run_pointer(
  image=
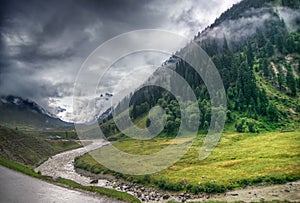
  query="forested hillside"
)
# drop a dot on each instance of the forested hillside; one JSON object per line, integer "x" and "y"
{"x": 255, "y": 47}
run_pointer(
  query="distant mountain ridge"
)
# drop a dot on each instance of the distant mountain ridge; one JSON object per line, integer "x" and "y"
{"x": 23, "y": 103}
{"x": 258, "y": 60}
{"x": 20, "y": 113}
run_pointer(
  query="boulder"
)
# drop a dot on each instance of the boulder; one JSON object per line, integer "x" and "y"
{"x": 166, "y": 196}
{"x": 95, "y": 181}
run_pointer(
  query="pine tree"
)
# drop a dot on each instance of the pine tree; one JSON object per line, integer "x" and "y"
{"x": 261, "y": 41}
{"x": 269, "y": 49}
{"x": 249, "y": 55}
{"x": 279, "y": 42}
{"x": 273, "y": 113}
{"x": 280, "y": 81}
{"x": 291, "y": 83}
{"x": 290, "y": 45}
{"x": 265, "y": 68}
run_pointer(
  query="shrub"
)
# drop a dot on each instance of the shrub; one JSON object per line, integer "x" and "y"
{"x": 213, "y": 188}
{"x": 143, "y": 179}
{"x": 177, "y": 186}
{"x": 257, "y": 180}
{"x": 96, "y": 170}
{"x": 166, "y": 185}
{"x": 146, "y": 179}
{"x": 251, "y": 127}
{"x": 84, "y": 166}
{"x": 195, "y": 189}
{"x": 277, "y": 179}
{"x": 240, "y": 126}
{"x": 161, "y": 183}
{"x": 243, "y": 182}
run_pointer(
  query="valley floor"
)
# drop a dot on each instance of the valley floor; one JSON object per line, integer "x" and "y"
{"x": 236, "y": 157}
{"x": 238, "y": 160}
{"x": 62, "y": 165}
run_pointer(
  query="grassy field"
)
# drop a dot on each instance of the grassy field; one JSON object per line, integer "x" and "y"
{"x": 238, "y": 160}
{"x": 30, "y": 149}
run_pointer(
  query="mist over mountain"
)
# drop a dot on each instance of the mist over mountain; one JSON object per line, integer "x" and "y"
{"x": 264, "y": 31}
{"x": 237, "y": 30}
{"x": 43, "y": 43}
{"x": 156, "y": 117}
{"x": 255, "y": 46}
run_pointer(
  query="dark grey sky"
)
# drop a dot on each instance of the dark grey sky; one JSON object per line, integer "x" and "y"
{"x": 44, "y": 43}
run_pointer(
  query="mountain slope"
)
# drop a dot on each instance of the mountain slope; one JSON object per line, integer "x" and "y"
{"x": 30, "y": 149}
{"x": 27, "y": 115}
{"x": 255, "y": 46}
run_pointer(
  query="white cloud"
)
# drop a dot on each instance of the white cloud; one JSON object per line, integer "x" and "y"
{"x": 289, "y": 16}
{"x": 190, "y": 16}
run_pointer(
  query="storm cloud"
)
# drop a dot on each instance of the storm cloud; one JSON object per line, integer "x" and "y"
{"x": 44, "y": 43}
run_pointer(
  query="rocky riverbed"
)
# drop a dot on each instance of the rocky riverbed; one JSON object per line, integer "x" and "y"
{"x": 62, "y": 165}
{"x": 289, "y": 191}
{"x": 145, "y": 194}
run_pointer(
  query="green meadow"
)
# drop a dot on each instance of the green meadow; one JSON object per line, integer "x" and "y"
{"x": 237, "y": 161}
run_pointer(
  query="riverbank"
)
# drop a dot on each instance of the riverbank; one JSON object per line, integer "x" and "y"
{"x": 31, "y": 148}
{"x": 288, "y": 192}
{"x": 18, "y": 187}
{"x": 62, "y": 166}
{"x": 69, "y": 183}
{"x": 239, "y": 161}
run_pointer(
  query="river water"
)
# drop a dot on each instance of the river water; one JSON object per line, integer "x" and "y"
{"x": 17, "y": 187}
{"x": 61, "y": 165}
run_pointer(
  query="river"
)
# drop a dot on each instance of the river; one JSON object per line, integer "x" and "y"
{"x": 17, "y": 187}
{"x": 62, "y": 165}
